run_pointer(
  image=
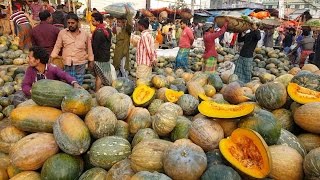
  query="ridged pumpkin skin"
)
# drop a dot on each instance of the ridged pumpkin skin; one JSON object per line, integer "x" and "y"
{"x": 137, "y": 119}
{"x": 307, "y": 80}
{"x": 215, "y": 81}
{"x": 228, "y": 125}
{"x": 11, "y": 134}
{"x": 62, "y": 166}
{"x": 287, "y": 163}
{"x": 311, "y": 164}
{"x": 214, "y": 157}
{"x": 53, "y": 96}
{"x": 218, "y": 172}
{"x": 160, "y": 94}
{"x": 181, "y": 130}
{"x": 101, "y": 122}
{"x": 171, "y": 108}
{"x": 189, "y": 104}
{"x": 206, "y": 133}
{"x": 27, "y": 175}
{"x": 271, "y": 95}
{"x": 143, "y": 134}
{"x": 265, "y": 124}
{"x": 145, "y": 175}
{"x": 120, "y": 104}
{"x": 94, "y": 174}
{"x": 164, "y": 122}
{"x": 190, "y": 157}
{"x": 4, "y": 161}
{"x": 26, "y": 119}
{"x": 194, "y": 89}
{"x": 71, "y": 134}
{"x": 103, "y": 93}
{"x": 285, "y": 117}
{"x": 289, "y": 139}
{"x": 32, "y": 151}
{"x": 307, "y": 117}
{"x": 121, "y": 170}
{"x": 118, "y": 149}
{"x": 78, "y": 102}
{"x": 159, "y": 81}
{"x": 148, "y": 154}
{"x": 122, "y": 129}
{"x": 310, "y": 141}
{"x": 153, "y": 107}
{"x": 123, "y": 85}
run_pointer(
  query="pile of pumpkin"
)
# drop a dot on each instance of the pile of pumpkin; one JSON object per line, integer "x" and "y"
{"x": 9, "y": 52}
{"x": 152, "y": 129}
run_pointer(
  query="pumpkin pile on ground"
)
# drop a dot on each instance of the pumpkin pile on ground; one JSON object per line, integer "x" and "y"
{"x": 9, "y": 52}
{"x": 177, "y": 125}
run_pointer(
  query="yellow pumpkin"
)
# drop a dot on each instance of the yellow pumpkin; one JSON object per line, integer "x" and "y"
{"x": 172, "y": 95}
{"x": 143, "y": 95}
{"x": 209, "y": 90}
{"x": 302, "y": 95}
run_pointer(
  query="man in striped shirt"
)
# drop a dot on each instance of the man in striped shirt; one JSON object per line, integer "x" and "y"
{"x": 19, "y": 20}
{"x": 146, "y": 55}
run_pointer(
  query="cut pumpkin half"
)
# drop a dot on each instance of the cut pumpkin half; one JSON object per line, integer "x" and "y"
{"x": 302, "y": 95}
{"x": 204, "y": 97}
{"x": 246, "y": 150}
{"x": 143, "y": 95}
{"x": 215, "y": 110}
{"x": 172, "y": 95}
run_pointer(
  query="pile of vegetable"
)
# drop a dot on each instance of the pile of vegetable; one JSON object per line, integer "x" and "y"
{"x": 9, "y": 52}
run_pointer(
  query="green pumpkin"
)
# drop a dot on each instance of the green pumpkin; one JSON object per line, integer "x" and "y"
{"x": 289, "y": 139}
{"x": 123, "y": 85}
{"x": 143, "y": 134}
{"x": 153, "y": 107}
{"x": 264, "y": 123}
{"x": 215, "y": 81}
{"x": 311, "y": 164}
{"x": 62, "y": 166}
{"x": 214, "y": 157}
{"x": 50, "y": 92}
{"x": 307, "y": 80}
{"x": 271, "y": 95}
{"x": 94, "y": 173}
{"x": 181, "y": 130}
{"x": 78, "y": 102}
{"x": 189, "y": 104}
{"x": 285, "y": 118}
{"x": 220, "y": 172}
{"x": 122, "y": 129}
{"x": 146, "y": 175}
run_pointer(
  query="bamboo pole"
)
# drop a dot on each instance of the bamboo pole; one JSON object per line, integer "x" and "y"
{"x": 69, "y": 5}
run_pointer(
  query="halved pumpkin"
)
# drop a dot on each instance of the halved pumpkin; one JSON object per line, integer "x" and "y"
{"x": 204, "y": 97}
{"x": 215, "y": 110}
{"x": 143, "y": 95}
{"x": 246, "y": 150}
{"x": 302, "y": 95}
{"x": 172, "y": 95}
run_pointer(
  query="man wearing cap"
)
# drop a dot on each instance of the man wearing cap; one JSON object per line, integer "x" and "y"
{"x": 210, "y": 54}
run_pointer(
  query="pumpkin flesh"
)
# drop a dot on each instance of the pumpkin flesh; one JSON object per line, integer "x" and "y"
{"x": 172, "y": 95}
{"x": 247, "y": 151}
{"x": 302, "y": 95}
{"x": 142, "y": 95}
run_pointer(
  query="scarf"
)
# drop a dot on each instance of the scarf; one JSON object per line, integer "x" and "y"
{"x": 103, "y": 28}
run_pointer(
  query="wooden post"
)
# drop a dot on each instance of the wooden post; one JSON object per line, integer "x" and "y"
{"x": 74, "y": 7}
{"x": 69, "y": 5}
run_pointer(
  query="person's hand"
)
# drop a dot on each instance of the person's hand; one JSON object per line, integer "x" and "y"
{"x": 91, "y": 65}
{"x": 77, "y": 86}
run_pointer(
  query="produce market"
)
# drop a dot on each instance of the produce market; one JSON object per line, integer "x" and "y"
{"x": 176, "y": 111}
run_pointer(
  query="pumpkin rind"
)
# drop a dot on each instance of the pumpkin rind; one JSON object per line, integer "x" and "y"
{"x": 289, "y": 139}
{"x": 143, "y": 95}
{"x": 189, "y": 104}
{"x": 103, "y": 157}
{"x": 218, "y": 172}
{"x": 103, "y": 93}
{"x": 310, "y": 141}
{"x": 159, "y": 81}
{"x": 285, "y": 118}
{"x": 302, "y": 95}
{"x": 164, "y": 122}
{"x": 145, "y": 175}
{"x": 307, "y": 117}
{"x": 71, "y": 134}
{"x": 79, "y": 102}
{"x": 311, "y": 164}
{"x": 214, "y": 157}
{"x": 143, "y": 134}
{"x": 27, "y": 175}
{"x": 254, "y": 157}
{"x": 120, "y": 104}
{"x": 153, "y": 107}
{"x": 122, "y": 129}
{"x": 307, "y": 80}
{"x": 138, "y": 118}
{"x": 194, "y": 89}
{"x": 123, "y": 85}
{"x": 121, "y": 170}
{"x": 11, "y": 134}
{"x": 271, "y": 95}
{"x": 215, "y": 81}
{"x": 181, "y": 130}
{"x": 94, "y": 173}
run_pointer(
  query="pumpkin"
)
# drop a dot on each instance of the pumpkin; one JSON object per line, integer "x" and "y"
{"x": 302, "y": 95}
{"x": 215, "y": 110}
{"x": 215, "y": 81}
{"x": 159, "y": 81}
{"x": 94, "y": 173}
{"x": 161, "y": 93}
{"x": 11, "y": 134}
{"x": 53, "y": 96}
{"x": 310, "y": 67}
{"x": 71, "y": 134}
{"x": 286, "y": 163}
{"x": 192, "y": 160}
{"x": 120, "y": 104}
{"x": 30, "y": 152}
{"x": 172, "y": 95}
{"x": 214, "y": 158}
{"x": 79, "y": 102}
{"x": 153, "y": 107}
{"x": 138, "y": 118}
{"x": 28, "y": 102}
{"x": 285, "y": 118}
{"x": 189, "y": 104}
{"x": 205, "y": 133}
{"x": 264, "y": 123}
{"x": 170, "y": 79}
{"x": 294, "y": 106}
{"x": 12, "y": 171}
{"x": 25, "y": 119}
{"x": 181, "y": 130}
{"x": 187, "y": 76}
{"x": 145, "y": 175}
{"x": 4, "y": 161}
{"x": 294, "y": 71}
{"x": 284, "y": 79}
{"x": 307, "y": 80}
{"x": 123, "y": 85}
{"x": 103, "y": 157}
{"x": 103, "y": 93}
{"x": 209, "y": 90}
{"x": 235, "y": 94}
{"x": 194, "y": 89}
{"x": 164, "y": 122}
{"x": 309, "y": 141}
{"x": 253, "y": 85}
{"x": 26, "y": 175}
{"x": 101, "y": 122}
{"x": 62, "y": 166}
{"x": 143, "y": 95}
{"x": 266, "y": 77}
{"x": 143, "y": 81}
{"x": 143, "y": 134}
{"x": 288, "y": 139}
{"x": 271, "y": 95}
{"x": 122, "y": 129}
{"x": 228, "y": 125}
{"x": 121, "y": 170}
{"x": 200, "y": 77}
{"x": 311, "y": 164}
{"x": 3, "y": 174}
{"x": 246, "y": 150}
{"x": 171, "y": 108}
{"x": 307, "y": 117}
{"x": 148, "y": 154}
{"x": 218, "y": 172}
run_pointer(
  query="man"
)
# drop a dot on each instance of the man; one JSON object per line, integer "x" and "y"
{"x": 121, "y": 53}
{"x": 59, "y": 18}
{"x": 101, "y": 43}
{"x": 185, "y": 42}
{"x": 45, "y": 34}
{"x": 35, "y": 8}
{"x": 76, "y": 48}
{"x": 288, "y": 40}
{"x": 47, "y": 6}
{"x": 244, "y": 63}
{"x": 146, "y": 54}
{"x": 40, "y": 69}
{"x": 268, "y": 38}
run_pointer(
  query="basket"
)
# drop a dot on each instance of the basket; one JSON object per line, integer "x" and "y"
{"x": 236, "y": 25}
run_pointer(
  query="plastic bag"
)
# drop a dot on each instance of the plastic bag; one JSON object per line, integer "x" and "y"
{"x": 118, "y": 10}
